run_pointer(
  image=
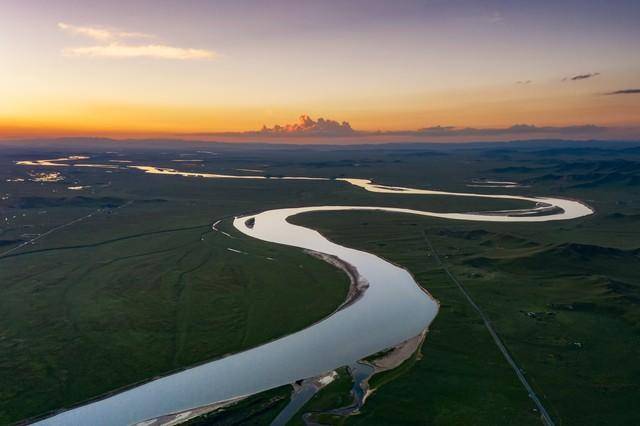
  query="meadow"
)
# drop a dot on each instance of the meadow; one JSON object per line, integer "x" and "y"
{"x": 143, "y": 285}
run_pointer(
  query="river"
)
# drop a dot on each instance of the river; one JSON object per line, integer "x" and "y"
{"x": 393, "y": 308}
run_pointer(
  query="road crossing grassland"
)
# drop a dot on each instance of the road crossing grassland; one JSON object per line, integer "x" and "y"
{"x": 565, "y": 310}
{"x": 546, "y": 418}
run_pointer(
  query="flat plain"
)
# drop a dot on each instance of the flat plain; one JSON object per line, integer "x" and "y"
{"x": 134, "y": 283}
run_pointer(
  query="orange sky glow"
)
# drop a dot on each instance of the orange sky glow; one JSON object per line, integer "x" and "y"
{"x": 223, "y": 71}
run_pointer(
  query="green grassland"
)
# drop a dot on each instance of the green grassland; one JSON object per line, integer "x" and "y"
{"x": 564, "y": 297}
{"x": 141, "y": 290}
{"x": 143, "y": 286}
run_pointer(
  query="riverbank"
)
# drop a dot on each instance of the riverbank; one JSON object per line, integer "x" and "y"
{"x": 357, "y": 283}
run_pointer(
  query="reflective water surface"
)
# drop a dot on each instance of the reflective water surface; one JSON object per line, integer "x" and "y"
{"x": 394, "y": 308}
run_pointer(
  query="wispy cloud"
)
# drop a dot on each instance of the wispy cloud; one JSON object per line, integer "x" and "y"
{"x": 625, "y": 92}
{"x": 524, "y": 82}
{"x": 100, "y": 33}
{"x": 159, "y": 51}
{"x": 581, "y": 76}
{"x": 116, "y": 44}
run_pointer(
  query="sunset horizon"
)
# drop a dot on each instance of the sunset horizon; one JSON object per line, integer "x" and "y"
{"x": 92, "y": 69}
{"x": 307, "y": 131}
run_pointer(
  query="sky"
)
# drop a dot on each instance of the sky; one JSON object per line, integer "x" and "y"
{"x": 332, "y": 70}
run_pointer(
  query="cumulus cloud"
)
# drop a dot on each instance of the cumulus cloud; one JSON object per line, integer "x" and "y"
{"x": 115, "y": 44}
{"x": 306, "y": 126}
{"x": 625, "y": 92}
{"x": 581, "y": 76}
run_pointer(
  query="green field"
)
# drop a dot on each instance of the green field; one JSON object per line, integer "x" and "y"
{"x": 564, "y": 297}
{"x": 561, "y": 308}
{"x": 143, "y": 286}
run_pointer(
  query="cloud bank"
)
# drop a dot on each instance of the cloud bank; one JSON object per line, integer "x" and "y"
{"x": 518, "y": 129}
{"x": 307, "y": 128}
{"x": 115, "y": 44}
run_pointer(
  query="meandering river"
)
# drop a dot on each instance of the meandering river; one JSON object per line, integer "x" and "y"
{"x": 393, "y": 308}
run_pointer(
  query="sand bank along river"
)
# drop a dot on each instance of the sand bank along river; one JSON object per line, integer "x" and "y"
{"x": 392, "y": 309}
